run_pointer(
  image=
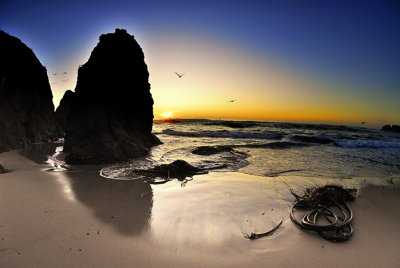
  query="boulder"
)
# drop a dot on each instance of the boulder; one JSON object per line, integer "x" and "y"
{"x": 111, "y": 115}
{"x": 210, "y": 150}
{"x": 26, "y": 106}
{"x": 3, "y": 170}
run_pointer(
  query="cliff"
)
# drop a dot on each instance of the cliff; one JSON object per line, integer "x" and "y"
{"x": 26, "y": 107}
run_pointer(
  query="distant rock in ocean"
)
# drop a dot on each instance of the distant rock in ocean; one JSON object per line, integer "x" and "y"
{"x": 393, "y": 128}
{"x": 26, "y": 107}
{"x": 63, "y": 109}
{"x": 111, "y": 115}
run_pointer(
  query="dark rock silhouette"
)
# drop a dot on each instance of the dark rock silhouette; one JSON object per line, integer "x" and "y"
{"x": 393, "y": 128}
{"x": 111, "y": 116}
{"x": 311, "y": 139}
{"x": 3, "y": 170}
{"x": 178, "y": 169}
{"x": 26, "y": 107}
{"x": 63, "y": 109}
{"x": 210, "y": 150}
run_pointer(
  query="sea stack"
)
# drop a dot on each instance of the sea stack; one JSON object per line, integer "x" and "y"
{"x": 111, "y": 114}
{"x": 63, "y": 109}
{"x": 26, "y": 106}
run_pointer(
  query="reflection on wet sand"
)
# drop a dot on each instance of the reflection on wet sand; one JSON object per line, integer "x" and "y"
{"x": 125, "y": 205}
{"x": 40, "y": 152}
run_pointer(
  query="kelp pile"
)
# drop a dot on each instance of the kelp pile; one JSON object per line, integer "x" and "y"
{"x": 325, "y": 211}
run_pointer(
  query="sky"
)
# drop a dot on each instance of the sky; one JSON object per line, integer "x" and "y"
{"x": 308, "y": 61}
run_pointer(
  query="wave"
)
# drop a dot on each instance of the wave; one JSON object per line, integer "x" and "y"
{"x": 281, "y": 125}
{"x": 274, "y": 145}
{"x": 367, "y": 144}
{"x": 311, "y": 139}
{"x": 225, "y": 134}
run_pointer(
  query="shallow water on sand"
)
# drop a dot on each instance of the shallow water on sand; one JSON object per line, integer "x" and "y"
{"x": 273, "y": 149}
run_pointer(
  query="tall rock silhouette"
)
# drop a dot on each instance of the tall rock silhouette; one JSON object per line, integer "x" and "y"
{"x": 26, "y": 106}
{"x": 111, "y": 115}
{"x": 62, "y": 111}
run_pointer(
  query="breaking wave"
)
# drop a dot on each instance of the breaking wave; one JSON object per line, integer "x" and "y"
{"x": 367, "y": 144}
{"x": 225, "y": 134}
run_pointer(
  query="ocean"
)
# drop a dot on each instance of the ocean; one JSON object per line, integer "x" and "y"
{"x": 272, "y": 149}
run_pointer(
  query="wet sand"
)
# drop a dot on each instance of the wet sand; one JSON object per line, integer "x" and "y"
{"x": 76, "y": 218}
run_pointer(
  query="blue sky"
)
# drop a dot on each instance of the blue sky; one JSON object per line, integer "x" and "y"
{"x": 353, "y": 47}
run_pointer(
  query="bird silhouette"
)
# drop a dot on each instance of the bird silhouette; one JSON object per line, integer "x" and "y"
{"x": 362, "y": 123}
{"x": 179, "y": 75}
{"x": 232, "y": 101}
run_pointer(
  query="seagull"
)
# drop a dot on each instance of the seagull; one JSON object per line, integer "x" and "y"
{"x": 232, "y": 101}
{"x": 180, "y": 75}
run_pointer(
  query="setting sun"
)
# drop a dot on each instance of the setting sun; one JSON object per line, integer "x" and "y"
{"x": 167, "y": 115}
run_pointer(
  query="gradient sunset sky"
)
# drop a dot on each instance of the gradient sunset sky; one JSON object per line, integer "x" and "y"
{"x": 311, "y": 61}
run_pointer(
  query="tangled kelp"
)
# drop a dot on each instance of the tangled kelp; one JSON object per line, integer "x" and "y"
{"x": 328, "y": 214}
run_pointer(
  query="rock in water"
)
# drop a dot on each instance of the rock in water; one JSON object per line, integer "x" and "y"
{"x": 393, "y": 128}
{"x": 63, "y": 109}
{"x": 111, "y": 115}
{"x": 26, "y": 106}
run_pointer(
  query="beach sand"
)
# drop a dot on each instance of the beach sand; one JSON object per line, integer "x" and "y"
{"x": 76, "y": 218}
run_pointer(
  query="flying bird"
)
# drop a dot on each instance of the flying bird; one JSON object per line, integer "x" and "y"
{"x": 232, "y": 101}
{"x": 180, "y": 75}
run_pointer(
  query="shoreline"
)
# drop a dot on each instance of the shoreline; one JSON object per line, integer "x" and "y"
{"x": 78, "y": 218}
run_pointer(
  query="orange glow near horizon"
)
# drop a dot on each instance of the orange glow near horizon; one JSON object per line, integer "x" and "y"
{"x": 264, "y": 88}
{"x": 167, "y": 115}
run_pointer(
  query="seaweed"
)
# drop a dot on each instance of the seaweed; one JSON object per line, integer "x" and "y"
{"x": 328, "y": 214}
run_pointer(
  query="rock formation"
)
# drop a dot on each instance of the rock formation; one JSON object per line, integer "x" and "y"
{"x": 393, "y": 128}
{"x": 111, "y": 115}
{"x": 63, "y": 109}
{"x": 3, "y": 170}
{"x": 26, "y": 107}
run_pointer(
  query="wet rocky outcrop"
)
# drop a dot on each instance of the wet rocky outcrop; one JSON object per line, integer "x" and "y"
{"x": 111, "y": 115}
{"x": 26, "y": 107}
{"x": 210, "y": 150}
{"x": 3, "y": 169}
{"x": 179, "y": 169}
